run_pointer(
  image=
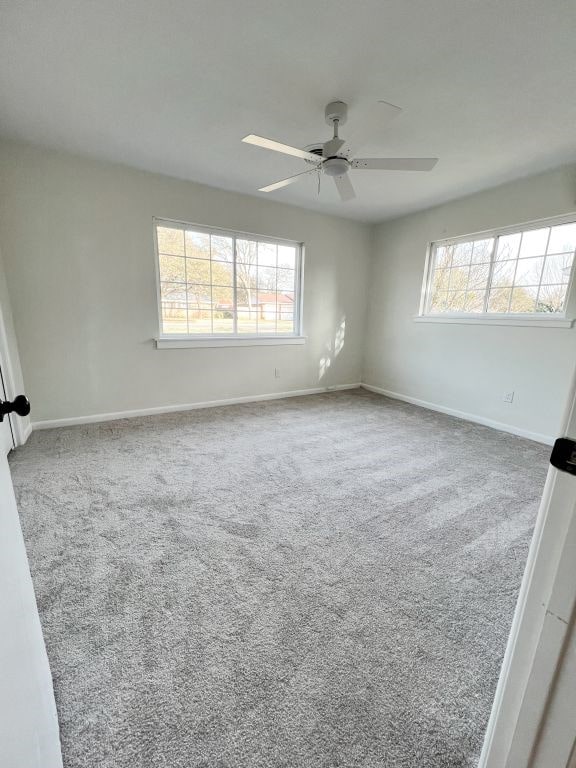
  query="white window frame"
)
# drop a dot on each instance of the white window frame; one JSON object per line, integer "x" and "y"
{"x": 540, "y": 319}
{"x": 181, "y": 341}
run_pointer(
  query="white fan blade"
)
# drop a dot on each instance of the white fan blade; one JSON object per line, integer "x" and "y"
{"x": 395, "y": 163}
{"x": 387, "y": 111}
{"x": 344, "y": 187}
{"x": 276, "y": 146}
{"x": 285, "y": 182}
{"x": 370, "y": 121}
{"x": 332, "y": 147}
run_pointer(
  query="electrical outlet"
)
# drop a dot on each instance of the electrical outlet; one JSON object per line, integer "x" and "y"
{"x": 276, "y": 373}
{"x": 508, "y": 397}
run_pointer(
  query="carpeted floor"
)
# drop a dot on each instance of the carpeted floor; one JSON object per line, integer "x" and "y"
{"x": 318, "y": 582}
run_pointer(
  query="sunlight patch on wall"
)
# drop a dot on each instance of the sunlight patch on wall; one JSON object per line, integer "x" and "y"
{"x": 333, "y": 349}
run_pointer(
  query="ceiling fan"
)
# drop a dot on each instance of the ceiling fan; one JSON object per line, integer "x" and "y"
{"x": 329, "y": 158}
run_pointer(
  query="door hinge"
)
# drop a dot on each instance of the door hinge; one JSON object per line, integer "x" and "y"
{"x": 564, "y": 455}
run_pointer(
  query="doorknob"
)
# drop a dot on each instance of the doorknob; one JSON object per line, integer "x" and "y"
{"x": 20, "y": 405}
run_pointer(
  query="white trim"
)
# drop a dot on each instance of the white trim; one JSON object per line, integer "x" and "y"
{"x": 532, "y": 321}
{"x": 550, "y": 221}
{"x": 170, "y": 342}
{"x": 425, "y": 290}
{"x": 20, "y": 425}
{"x": 97, "y": 417}
{"x": 496, "y": 234}
{"x": 537, "y": 436}
{"x": 297, "y": 322}
{"x": 299, "y": 292}
{"x": 207, "y": 229}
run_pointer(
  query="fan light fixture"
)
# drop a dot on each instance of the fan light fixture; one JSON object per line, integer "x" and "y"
{"x": 335, "y": 166}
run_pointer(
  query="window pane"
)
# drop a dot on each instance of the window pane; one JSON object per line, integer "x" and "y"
{"x": 174, "y": 318}
{"x": 246, "y": 251}
{"x": 199, "y": 321}
{"x": 438, "y": 302}
{"x": 266, "y": 297}
{"x": 246, "y": 298}
{"x": 285, "y": 279}
{"x": 503, "y": 273}
{"x": 440, "y": 280}
{"x": 223, "y": 322}
{"x": 478, "y": 277}
{"x": 534, "y": 242}
{"x": 198, "y": 271}
{"x": 284, "y": 324}
{"x": 267, "y": 324}
{"x": 557, "y": 268}
{"x": 287, "y": 256}
{"x": 455, "y": 301}
{"x": 173, "y": 292}
{"x": 266, "y": 279}
{"x": 247, "y": 320}
{"x": 499, "y": 300}
{"x": 551, "y": 298}
{"x": 197, "y": 245}
{"x": 222, "y": 297}
{"x": 199, "y": 297}
{"x": 266, "y": 255}
{"x": 286, "y": 300}
{"x": 221, "y": 248}
{"x": 474, "y": 301}
{"x": 222, "y": 273}
{"x": 170, "y": 241}
{"x": 172, "y": 268}
{"x": 508, "y": 247}
{"x": 443, "y": 257}
{"x": 459, "y": 278}
{"x": 462, "y": 254}
{"x": 523, "y": 300}
{"x": 482, "y": 251}
{"x": 529, "y": 271}
{"x": 247, "y": 276}
{"x": 563, "y": 239}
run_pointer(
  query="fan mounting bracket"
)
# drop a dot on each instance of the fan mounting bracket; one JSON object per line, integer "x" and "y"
{"x": 336, "y": 111}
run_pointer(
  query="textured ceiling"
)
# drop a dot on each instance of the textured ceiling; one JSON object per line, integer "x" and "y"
{"x": 487, "y": 86}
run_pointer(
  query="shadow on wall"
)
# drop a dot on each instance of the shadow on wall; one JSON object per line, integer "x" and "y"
{"x": 333, "y": 349}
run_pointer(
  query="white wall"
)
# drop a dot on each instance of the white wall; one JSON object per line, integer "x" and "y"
{"x": 77, "y": 242}
{"x": 468, "y": 368}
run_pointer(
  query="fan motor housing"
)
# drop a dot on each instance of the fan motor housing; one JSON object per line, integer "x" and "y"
{"x": 336, "y": 110}
{"x": 335, "y": 166}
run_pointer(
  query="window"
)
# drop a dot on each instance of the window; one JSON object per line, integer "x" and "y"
{"x": 506, "y": 273}
{"x": 215, "y": 283}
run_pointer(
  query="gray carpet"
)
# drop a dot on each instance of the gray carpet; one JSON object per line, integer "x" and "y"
{"x": 318, "y": 582}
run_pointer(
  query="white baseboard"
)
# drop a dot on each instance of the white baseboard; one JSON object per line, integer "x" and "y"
{"x": 96, "y": 417}
{"x": 26, "y": 432}
{"x": 537, "y": 436}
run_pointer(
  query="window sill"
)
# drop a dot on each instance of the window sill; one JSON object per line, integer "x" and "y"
{"x": 171, "y": 342}
{"x": 528, "y": 322}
